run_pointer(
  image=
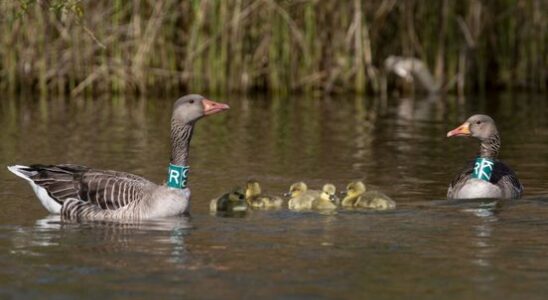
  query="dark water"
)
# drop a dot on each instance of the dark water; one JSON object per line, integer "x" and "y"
{"x": 427, "y": 248}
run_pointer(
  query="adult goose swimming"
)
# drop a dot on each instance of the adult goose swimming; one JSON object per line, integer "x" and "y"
{"x": 78, "y": 192}
{"x": 486, "y": 176}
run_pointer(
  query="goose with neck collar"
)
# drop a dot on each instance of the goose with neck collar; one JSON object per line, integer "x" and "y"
{"x": 82, "y": 193}
{"x": 486, "y": 176}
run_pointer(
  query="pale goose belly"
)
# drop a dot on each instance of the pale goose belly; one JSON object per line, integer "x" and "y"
{"x": 167, "y": 202}
{"x": 476, "y": 188}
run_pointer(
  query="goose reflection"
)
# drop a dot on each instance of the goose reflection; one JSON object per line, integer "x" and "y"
{"x": 484, "y": 249}
{"x": 109, "y": 244}
{"x": 426, "y": 108}
{"x": 477, "y": 232}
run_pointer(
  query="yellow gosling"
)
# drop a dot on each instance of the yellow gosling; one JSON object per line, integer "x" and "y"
{"x": 358, "y": 196}
{"x": 256, "y": 199}
{"x": 301, "y": 197}
{"x": 327, "y": 200}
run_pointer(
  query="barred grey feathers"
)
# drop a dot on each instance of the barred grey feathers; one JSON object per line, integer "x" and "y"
{"x": 181, "y": 134}
{"x": 490, "y": 147}
{"x": 106, "y": 189}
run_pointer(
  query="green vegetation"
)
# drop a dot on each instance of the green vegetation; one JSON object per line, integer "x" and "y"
{"x": 78, "y": 47}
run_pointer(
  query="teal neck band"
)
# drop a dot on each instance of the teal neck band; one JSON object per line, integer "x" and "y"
{"x": 483, "y": 168}
{"x": 177, "y": 176}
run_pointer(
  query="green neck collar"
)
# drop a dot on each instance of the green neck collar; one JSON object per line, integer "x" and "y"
{"x": 177, "y": 176}
{"x": 483, "y": 168}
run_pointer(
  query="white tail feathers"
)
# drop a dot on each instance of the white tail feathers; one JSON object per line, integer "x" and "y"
{"x": 49, "y": 203}
{"x": 18, "y": 170}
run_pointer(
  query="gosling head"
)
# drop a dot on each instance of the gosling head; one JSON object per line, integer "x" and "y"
{"x": 236, "y": 200}
{"x": 355, "y": 188}
{"x": 328, "y": 192}
{"x": 297, "y": 189}
{"x": 236, "y": 195}
{"x": 253, "y": 188}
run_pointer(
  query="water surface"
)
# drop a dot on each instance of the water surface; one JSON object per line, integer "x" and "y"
{"x": 427, "y": 248}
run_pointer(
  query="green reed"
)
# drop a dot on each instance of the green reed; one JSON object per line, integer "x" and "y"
{"x": 268, "y": 45}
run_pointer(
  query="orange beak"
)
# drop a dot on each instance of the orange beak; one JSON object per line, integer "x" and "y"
{"x": 462, "y": 130}
{"x": 212, "y": 107}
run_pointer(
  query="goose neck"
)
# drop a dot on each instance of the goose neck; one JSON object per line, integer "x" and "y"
{"x": 490, "y": 147}
{"x": 181, "y": 134}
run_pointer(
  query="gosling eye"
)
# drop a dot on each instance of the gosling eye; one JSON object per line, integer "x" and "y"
{"x": 191, "y": 101}
{"x": 478, "y": 122}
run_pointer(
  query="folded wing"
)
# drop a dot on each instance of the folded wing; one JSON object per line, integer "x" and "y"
{"x": 108, "y": 190}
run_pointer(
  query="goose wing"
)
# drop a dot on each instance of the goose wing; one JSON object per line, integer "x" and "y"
{"x": 106, "y": 189}
{"x": 507, "y": 180}
{"x": 458, "y": 181}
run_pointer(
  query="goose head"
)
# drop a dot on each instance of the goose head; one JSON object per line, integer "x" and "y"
{"x": 481, "y": 127}
{"x": 297, "y": 189}
{"x": 253, "y": 188}
{"x": 192, "y": 107}
{"x": 328, "y": 192}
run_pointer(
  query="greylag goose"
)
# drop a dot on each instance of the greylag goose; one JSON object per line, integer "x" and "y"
{"x": 233, "y": 201}
{"x": 486, "y": 176}
{"x": 328, "y": 198}
{"x": 78, "y": 192}
{"x": 358, "y": 196}
{"x": 255, "y": 199}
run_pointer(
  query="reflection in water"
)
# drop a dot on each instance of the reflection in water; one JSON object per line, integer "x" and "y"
{"x": 484, "y": 248}
{"x": 364, "y": 120}
{"x": 433, "y": 248}
{"x": 431, "y": 107}
{"x": 109, "y": 238}
{"x": 487, "y": 214}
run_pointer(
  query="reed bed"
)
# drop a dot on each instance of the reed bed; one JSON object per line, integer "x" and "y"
{"x": 223, "y": 46}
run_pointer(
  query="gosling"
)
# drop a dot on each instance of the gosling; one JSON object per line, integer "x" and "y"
{"x": 255, "y": 199}
{"x": 301, "y": 196}
{"x": 328, "y": 199}
{"x": 304, "y": 199}
{"x": 358, "y": 196}
{"x": 233, "y": 201}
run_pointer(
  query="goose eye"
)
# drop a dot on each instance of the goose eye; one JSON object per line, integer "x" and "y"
{"x": 191, "y": 101}
{"x": 478, "y": 122}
